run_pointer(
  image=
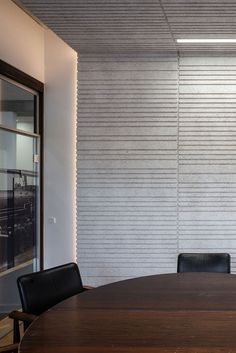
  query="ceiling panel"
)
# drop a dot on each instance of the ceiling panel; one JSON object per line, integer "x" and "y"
{"x": 107, "y": 26}
{"x": 202, "y": 19}
{"x": 138, "y": 26}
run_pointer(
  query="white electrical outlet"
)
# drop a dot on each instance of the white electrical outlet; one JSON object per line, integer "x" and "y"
{"x": 36, "y": 158}
{"x": 52, "y": 220}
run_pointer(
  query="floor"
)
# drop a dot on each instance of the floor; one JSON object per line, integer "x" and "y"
{"x": 6, "y": 327}
{"x": 6, "y": 331}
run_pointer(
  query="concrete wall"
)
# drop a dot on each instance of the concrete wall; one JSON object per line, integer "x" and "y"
{"x": 127, "y": 166}
{"x": 207, "y": 150}
{"x": 156, "y": 163}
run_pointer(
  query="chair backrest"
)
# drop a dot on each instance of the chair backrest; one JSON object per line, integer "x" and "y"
{"x": 204, "y": 262}
{"x": 41, "y": 290}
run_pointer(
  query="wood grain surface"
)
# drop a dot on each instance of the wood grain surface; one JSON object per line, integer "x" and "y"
{"x": 174, "y": 313}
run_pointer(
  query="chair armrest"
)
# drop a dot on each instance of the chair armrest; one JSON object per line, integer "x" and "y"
{"x": 88, "y": 287}
{"x": 12, "y": 348}
{"x": 18, "y": 316}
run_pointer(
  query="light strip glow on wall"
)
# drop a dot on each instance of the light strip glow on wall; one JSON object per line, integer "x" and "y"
{"x": 206, "y": 40}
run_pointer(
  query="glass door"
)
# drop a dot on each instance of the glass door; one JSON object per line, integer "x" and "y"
{"x": 19, "y": 188}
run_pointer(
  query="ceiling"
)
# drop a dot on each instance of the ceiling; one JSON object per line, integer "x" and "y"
{"x": 138, "y": 26}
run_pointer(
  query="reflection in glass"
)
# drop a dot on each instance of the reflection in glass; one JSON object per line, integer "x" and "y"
{"x": 18, "y": 199}
{"x": 17, "y": 107}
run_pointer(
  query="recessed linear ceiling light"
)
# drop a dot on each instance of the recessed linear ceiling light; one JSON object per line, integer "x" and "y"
{"x": 210, "y": 40}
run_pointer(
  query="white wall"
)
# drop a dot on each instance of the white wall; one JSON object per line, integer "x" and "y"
{"x": 60, "y": 150}
{"x": 38, "y": 52}
{"x": 21, "y": 40}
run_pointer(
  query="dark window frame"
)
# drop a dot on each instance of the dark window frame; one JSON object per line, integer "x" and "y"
{"x": 20, "y": 77}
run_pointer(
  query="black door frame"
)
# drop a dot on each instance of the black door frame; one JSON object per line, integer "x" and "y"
{"x": 20, "y": 77}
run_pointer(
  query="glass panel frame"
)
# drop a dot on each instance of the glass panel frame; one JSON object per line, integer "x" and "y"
{"x": 36, "y": 95}
{"x": 9, "y": 297}
{"x": 37, "y": 263}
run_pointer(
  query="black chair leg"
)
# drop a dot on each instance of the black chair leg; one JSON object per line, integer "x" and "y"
{"x": 16, "y": 331}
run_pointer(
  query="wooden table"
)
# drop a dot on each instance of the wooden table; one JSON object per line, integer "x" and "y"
{"x": 174, "y": 313}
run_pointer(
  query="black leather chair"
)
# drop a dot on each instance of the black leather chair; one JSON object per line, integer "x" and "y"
{"x": 41, "y": 290}
{"x": 204, "y": 262}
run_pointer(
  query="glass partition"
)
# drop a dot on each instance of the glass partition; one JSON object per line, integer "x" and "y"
{"x": 17, "y": 107}
{"x": 19, "y": 188}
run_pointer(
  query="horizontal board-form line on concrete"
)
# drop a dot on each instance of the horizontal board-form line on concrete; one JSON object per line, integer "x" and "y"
{"x": 127, "y": 167}
{"x": 156, "y": 163}
{"x": 207, "y": 155}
